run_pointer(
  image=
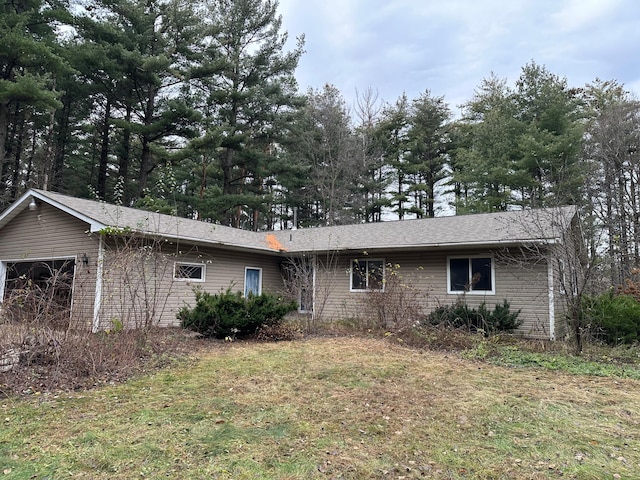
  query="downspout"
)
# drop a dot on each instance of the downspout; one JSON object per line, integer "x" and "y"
{"x": 552, "y": 303}
{"x": 97, "y": 303}
{"x": 313, "y": 288}
{"x": 3, "y": 279}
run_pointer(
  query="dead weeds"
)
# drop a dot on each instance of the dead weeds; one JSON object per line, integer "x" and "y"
{"x": 45, "y": 360}
{"x": 333, "y": 408}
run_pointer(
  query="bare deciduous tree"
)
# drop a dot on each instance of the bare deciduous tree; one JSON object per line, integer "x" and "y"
{"x": 562, "y": 248}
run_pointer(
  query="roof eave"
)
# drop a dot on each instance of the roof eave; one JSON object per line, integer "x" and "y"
{"x": 436, "y": 246}
{"x": 24, "y": 201}
{"x": 204, "y": 242}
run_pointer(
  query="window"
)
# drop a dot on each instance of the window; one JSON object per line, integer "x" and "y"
{"x": 471, "y": 275}
{"x": 367, "y": 275}
{"x": 305, "y": 300}
{"x": 252, "y": 281}
{"x": 305, "y": 297}
{"x": 189, "y": 272}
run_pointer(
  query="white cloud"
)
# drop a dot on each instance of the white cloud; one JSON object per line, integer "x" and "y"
{"x": 579, "y": 15}
{"x": 450, "y": 46}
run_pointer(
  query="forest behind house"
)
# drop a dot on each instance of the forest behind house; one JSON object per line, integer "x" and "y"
{"x": 193, "y": 109}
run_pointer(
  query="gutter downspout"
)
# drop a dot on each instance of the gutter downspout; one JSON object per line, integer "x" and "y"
{"x": 3, "y": 279}
{"x": 552, "y": 303}
{"x": 314, "y": 266}
{"x": 97, "y": 304}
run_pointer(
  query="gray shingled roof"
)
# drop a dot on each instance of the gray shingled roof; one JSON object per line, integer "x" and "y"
{"x": 100, "y": 215}
{"x": 491, "y": 229}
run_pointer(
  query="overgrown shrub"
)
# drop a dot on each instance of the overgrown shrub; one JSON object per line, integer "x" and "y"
{"x": 397, "y": 306}
{"x": 227, "y": 314}
{"x": 616, "y": 318}
{"x": 460, "y": 315}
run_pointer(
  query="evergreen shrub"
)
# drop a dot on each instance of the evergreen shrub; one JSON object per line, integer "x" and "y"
{"x": 617, "y": 317}
{"x": 460, "y": 315}
{"x": 228, "y": 314}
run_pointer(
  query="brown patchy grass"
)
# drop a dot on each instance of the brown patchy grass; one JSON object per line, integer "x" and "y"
{"x": 331, "y": 408}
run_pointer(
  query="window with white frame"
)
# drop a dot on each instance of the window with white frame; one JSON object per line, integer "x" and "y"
{"x": 474, "y": 275}
{"x": 367, "y": 275}
{"x": 194, "y": 272}
{"x": 252, "y": 281}
{"x": 305, "y": 294}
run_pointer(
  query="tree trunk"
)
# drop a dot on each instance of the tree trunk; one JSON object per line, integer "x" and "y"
{"x": 61, "y": 144}
{"x": 4, "y": 130}
{"x": 125, "y": 149}
{"x": 17, "y": 167}
{"x": 104, "y": 152}
{"x": 146, "y": 164}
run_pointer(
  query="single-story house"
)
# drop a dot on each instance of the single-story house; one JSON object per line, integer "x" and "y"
{"x": 116, "y": 265}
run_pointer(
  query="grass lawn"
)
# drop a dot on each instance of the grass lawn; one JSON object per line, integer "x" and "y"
{"x": 329, "y": 408}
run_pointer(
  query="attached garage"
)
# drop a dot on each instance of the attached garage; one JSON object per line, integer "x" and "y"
{"x": 34, "y": 289}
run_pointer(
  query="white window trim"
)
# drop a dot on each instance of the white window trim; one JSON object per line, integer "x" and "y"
{"x": 3, "y": 279}
{"x": 202, "y": 278}
{"x": 313, "y": 290}
{"x": 303, "y": 310}
{"x": 357, "y": 290}
{"x": 472, "y": 292}
{"x": 259, "y": 279}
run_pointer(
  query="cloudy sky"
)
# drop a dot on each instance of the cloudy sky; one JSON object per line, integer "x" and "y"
{"x": 449, "y": 46}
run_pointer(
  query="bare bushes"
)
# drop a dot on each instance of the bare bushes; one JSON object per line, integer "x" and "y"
{"x": 398, "y": 305}
{"x": 40, "y": 295}
{"x": 44, "y": 347}
{"x": 310, "y": 280}
{"x": 44, "y": 359}
{"x": 137, "y": 279}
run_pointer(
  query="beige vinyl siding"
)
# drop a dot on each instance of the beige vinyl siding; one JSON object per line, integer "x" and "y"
{"x": 525, "y": 288}
{"x": 224, "y": 269}
{"x": 48, "y": 233}
{"x": 133, "y": 300}
{"x": 420, "y": 270}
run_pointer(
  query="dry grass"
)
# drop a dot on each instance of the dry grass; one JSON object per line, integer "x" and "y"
{"x": 57, "y": 360}
{"x": 330, "y": 408}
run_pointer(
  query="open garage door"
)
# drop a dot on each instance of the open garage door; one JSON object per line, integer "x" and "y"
{"x": 39, "y": 291}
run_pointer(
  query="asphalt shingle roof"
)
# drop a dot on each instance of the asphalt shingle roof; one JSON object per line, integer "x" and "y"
{"x": 503, "y": 228}
{"x": 100, "y": 215}
{"x": 491, "y": 229}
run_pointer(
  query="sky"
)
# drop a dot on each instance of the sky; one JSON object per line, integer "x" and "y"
{"x": 450, "y": 46}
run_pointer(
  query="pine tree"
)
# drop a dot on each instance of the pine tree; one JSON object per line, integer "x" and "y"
{"x": 248, "y": 91}
{"x": 29, "y": 66}
{"x": 427, "y": 147}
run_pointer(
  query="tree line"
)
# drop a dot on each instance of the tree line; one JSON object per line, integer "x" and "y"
{"x": 192, "y": 108}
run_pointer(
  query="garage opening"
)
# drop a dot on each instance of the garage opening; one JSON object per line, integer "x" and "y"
{"x": 39, "y": 291}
